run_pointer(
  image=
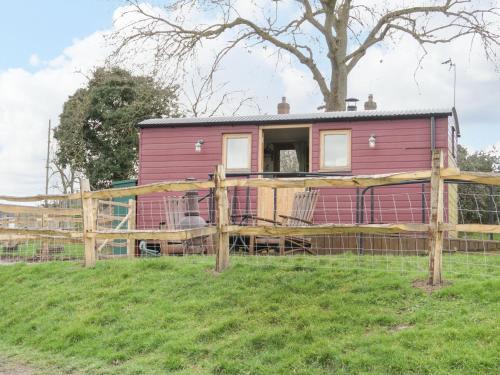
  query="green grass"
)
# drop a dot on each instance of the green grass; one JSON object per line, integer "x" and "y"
{"x": 261, "y": 316}
{"x": 479, "y": 236}
{"x": 31, "y": 248}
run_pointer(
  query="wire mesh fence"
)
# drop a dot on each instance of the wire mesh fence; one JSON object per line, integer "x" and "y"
{"x": 395, "y": 252}
{"x": 384, "y": 226}
{"x": 56, "y": 217}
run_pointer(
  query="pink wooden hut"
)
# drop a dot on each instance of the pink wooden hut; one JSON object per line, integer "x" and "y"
{"x": 330, "y": 143}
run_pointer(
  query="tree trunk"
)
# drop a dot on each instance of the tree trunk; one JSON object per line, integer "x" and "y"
{"x": 338, "y": 80}
{"x": 338, "y": 92}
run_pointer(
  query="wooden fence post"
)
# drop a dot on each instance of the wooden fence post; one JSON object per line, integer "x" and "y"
{"x": 436, "y": 219}
{"x": 89, "y": 208}
{"x": 222, "y": 215}
{"x": 44, "y": 251}
{"x": 131, "y": 226}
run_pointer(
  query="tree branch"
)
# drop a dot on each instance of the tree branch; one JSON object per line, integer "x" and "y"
{"x": 463, "y": 22}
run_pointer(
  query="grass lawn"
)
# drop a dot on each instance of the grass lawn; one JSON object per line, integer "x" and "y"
{"x": 281, "y": 316}
{"x": 31, "y": 248}
{"x": 480, "y": 236}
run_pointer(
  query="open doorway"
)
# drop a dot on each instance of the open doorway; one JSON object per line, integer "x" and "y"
{"x": 285, "y": 149}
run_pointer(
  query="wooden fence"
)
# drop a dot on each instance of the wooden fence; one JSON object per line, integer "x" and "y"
{"x": 91, "y": 233}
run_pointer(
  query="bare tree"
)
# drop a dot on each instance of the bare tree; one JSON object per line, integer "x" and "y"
{"x": 328, "y": 37}
{"x": 63, "y": 179}
{"x": 203, "y": 96}
{"x": 67, "y": 177}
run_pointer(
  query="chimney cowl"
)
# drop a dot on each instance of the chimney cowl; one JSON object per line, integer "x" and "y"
{"x": 370, "y": 105}
{"x": 283, "y": 107}
{"x": 351, "y": 104}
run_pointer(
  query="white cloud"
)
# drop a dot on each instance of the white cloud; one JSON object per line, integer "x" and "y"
{"x": 27, "y": 101}
{"x": 395, "y": 85}
{"x": 34, "y": 60}
{"x": 495, "y": 147}
{"x": 299, "y": 87}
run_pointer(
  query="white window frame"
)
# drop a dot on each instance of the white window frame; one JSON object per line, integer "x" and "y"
{"x": 324, "y": 133}
{"x": 225, "y": 138}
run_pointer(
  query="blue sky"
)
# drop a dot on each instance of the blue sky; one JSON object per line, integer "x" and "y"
{"x": 46, "y": 27}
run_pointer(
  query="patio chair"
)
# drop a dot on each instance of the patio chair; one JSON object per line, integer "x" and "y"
{"x": 302, "y": 213}
{"x": 175, "y": 209}
{"x": 174, "y": 212}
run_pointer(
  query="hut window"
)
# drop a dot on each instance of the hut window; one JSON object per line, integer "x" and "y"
{"x": 236, "y": 152}
{"x": 335, "y": 150}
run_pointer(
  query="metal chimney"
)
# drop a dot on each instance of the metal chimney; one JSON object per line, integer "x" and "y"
{"x": 192, "y": 218}
{"x": 370, "y": 105}
{"x": 351, "y": 104}
{"x": 283, "y": 107}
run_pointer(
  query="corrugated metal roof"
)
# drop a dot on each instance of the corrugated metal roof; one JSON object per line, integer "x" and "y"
{"x": 295, "y": 118}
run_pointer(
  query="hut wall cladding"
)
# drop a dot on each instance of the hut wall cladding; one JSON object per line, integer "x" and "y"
{"x": 168, "y": 154}
{"x": 402, "y": 145}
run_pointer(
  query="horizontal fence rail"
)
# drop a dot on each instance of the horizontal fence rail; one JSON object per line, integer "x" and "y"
{"x": 326, "y": 229}
{"x": 486, "y": 178}
{"x": 158, "y": 187}
{"x": 449, "y": 174}
{"x": 97, "y": 227}
{"x": 179, "y": 235}
{"x": 40, "y": 210}
{"x": 41, "y": 232}
{"x": 38, "y": 198}
{"x": 473, "y": 228}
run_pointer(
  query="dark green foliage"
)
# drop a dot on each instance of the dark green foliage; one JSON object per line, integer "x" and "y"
{"x": 476, "y": 201}
{"x": 97, "y": 134}
{"x": 174, "y": 316}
